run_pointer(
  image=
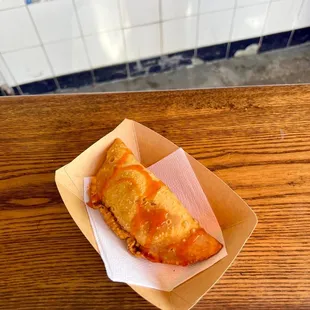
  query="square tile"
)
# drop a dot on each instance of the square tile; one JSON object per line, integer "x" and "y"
{"x": 10, "y": 4}
{"x": 281, "y": 15}
{"x": 274, "y": 41}
{"x": 105, "y": 49}
{"x": 179, "y": 35}
{"x": 242, "y": 45}
{"x": 98, "y": 15}
{"x": 139, "y": 12}
{"x": 249, "y": 22}
{"x": 111, "y": 73}
{"x": 142, "y": 42}
{"x": 214, "y": 28}
{"x": 28, "y": 65}
{"x": 55, "y": 20}
{"x": 211, "y": 53}
{"x": 17, "y": 30}
{"x": 301, "y": 36}
{"x": 241, "y": 3}
{"x": 182, "y": 8}
{"x": 303, "y": 19}
{"x": 41, "y": 87}
{"x": 75, "y": 80}
{"x": 67, "y": 56}
{"x": 5, "y": 75}
{"x": 16, "y": 91}
{"x": 216, "y": 5}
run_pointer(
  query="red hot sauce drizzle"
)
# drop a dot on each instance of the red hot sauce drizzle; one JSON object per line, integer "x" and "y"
{"x": 153, "y": 218}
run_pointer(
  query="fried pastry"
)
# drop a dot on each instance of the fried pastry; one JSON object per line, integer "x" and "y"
{"x": 141, "y": 210}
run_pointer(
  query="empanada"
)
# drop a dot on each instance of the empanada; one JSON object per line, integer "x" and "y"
{"x": 141, "y": 209}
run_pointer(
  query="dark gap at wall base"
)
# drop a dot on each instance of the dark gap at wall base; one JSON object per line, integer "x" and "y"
{"x": 39, "y": 87}
{"x": 75, "y": 80}
{"x": 166, "y": 62}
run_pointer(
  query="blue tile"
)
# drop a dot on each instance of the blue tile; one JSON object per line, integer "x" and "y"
{"x": 145, "y": 66}
{"x": 161, "y": 64}
{"x": 40, "y": 87}
{"x": 175, "y": 60}
{"x": 274, "y": 41}
{"x": 111, "y": 73}
{"x": 241, "y": 45}
{"x": 155, "y": 69}
{"x": 301, "y": 36}
{"x": 16, "y": 92}
{"x": 75, "y": 80}
{"x": 214, "y": 52}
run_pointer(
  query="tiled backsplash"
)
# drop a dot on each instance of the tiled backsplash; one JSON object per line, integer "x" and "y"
{"x": 53, "y": 44}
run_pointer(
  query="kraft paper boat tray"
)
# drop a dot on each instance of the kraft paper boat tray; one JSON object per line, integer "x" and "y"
{"x": 235, "y": 217}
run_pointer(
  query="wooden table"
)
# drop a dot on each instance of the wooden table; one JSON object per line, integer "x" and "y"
{"x": 256, "y": 139}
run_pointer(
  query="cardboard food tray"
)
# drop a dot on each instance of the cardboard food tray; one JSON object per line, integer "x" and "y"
{"x": 235, "y": 217}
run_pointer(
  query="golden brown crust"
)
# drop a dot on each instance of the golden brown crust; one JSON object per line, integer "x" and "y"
{"x": 111, "y": 221}
{"x": 140, "y": 208}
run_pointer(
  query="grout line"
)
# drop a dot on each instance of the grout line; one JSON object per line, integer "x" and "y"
{"x": 1, "y": 74}
{"x": 197, "y": 30}
{"x": 38, "y": 45}
{"x": 294, "y": 24}
{"x": 261, "y": 37}
{"x": 289, "y": 41}
{"x": 12, "y": 76}
{"x": 43, "y": 48}
{"x": 123, "y": 37}
{"x": 161, "y": 28}
{"x": 19, "y": 89}
{"x": 13, "y": 8}
{"x": 231, "y": 29}
{"x": 84, "y": 43}
{"x": 298, "y": 13}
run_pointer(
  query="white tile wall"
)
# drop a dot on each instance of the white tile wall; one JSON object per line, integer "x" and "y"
{"x": 241, "y": 3}
{"x": 214, "y": 28}
{"x": 142, "y": 42}
{"x": 249, "y": 21}
{"x": 98, "y": 15}
{"x": 276, "y": 22}
{"x": 16, "y": 30}
{"x": 5, "y": 75}
{"x": 55, "y": 20}
{"x": 67, "y": 56}
{"x": 179, "y": 34}
{"x": 66, "y": 36}
{"x": 9, "y": 4}
{"x": 139, "y": 12}
{"x": 28, "y": 65}
{"x": 171, "y": 9}
{"x": 106, "y": 48}
{"x": 216, "y": 5}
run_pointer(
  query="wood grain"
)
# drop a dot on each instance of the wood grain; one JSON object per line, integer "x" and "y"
{"x": 256, "y": 139}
